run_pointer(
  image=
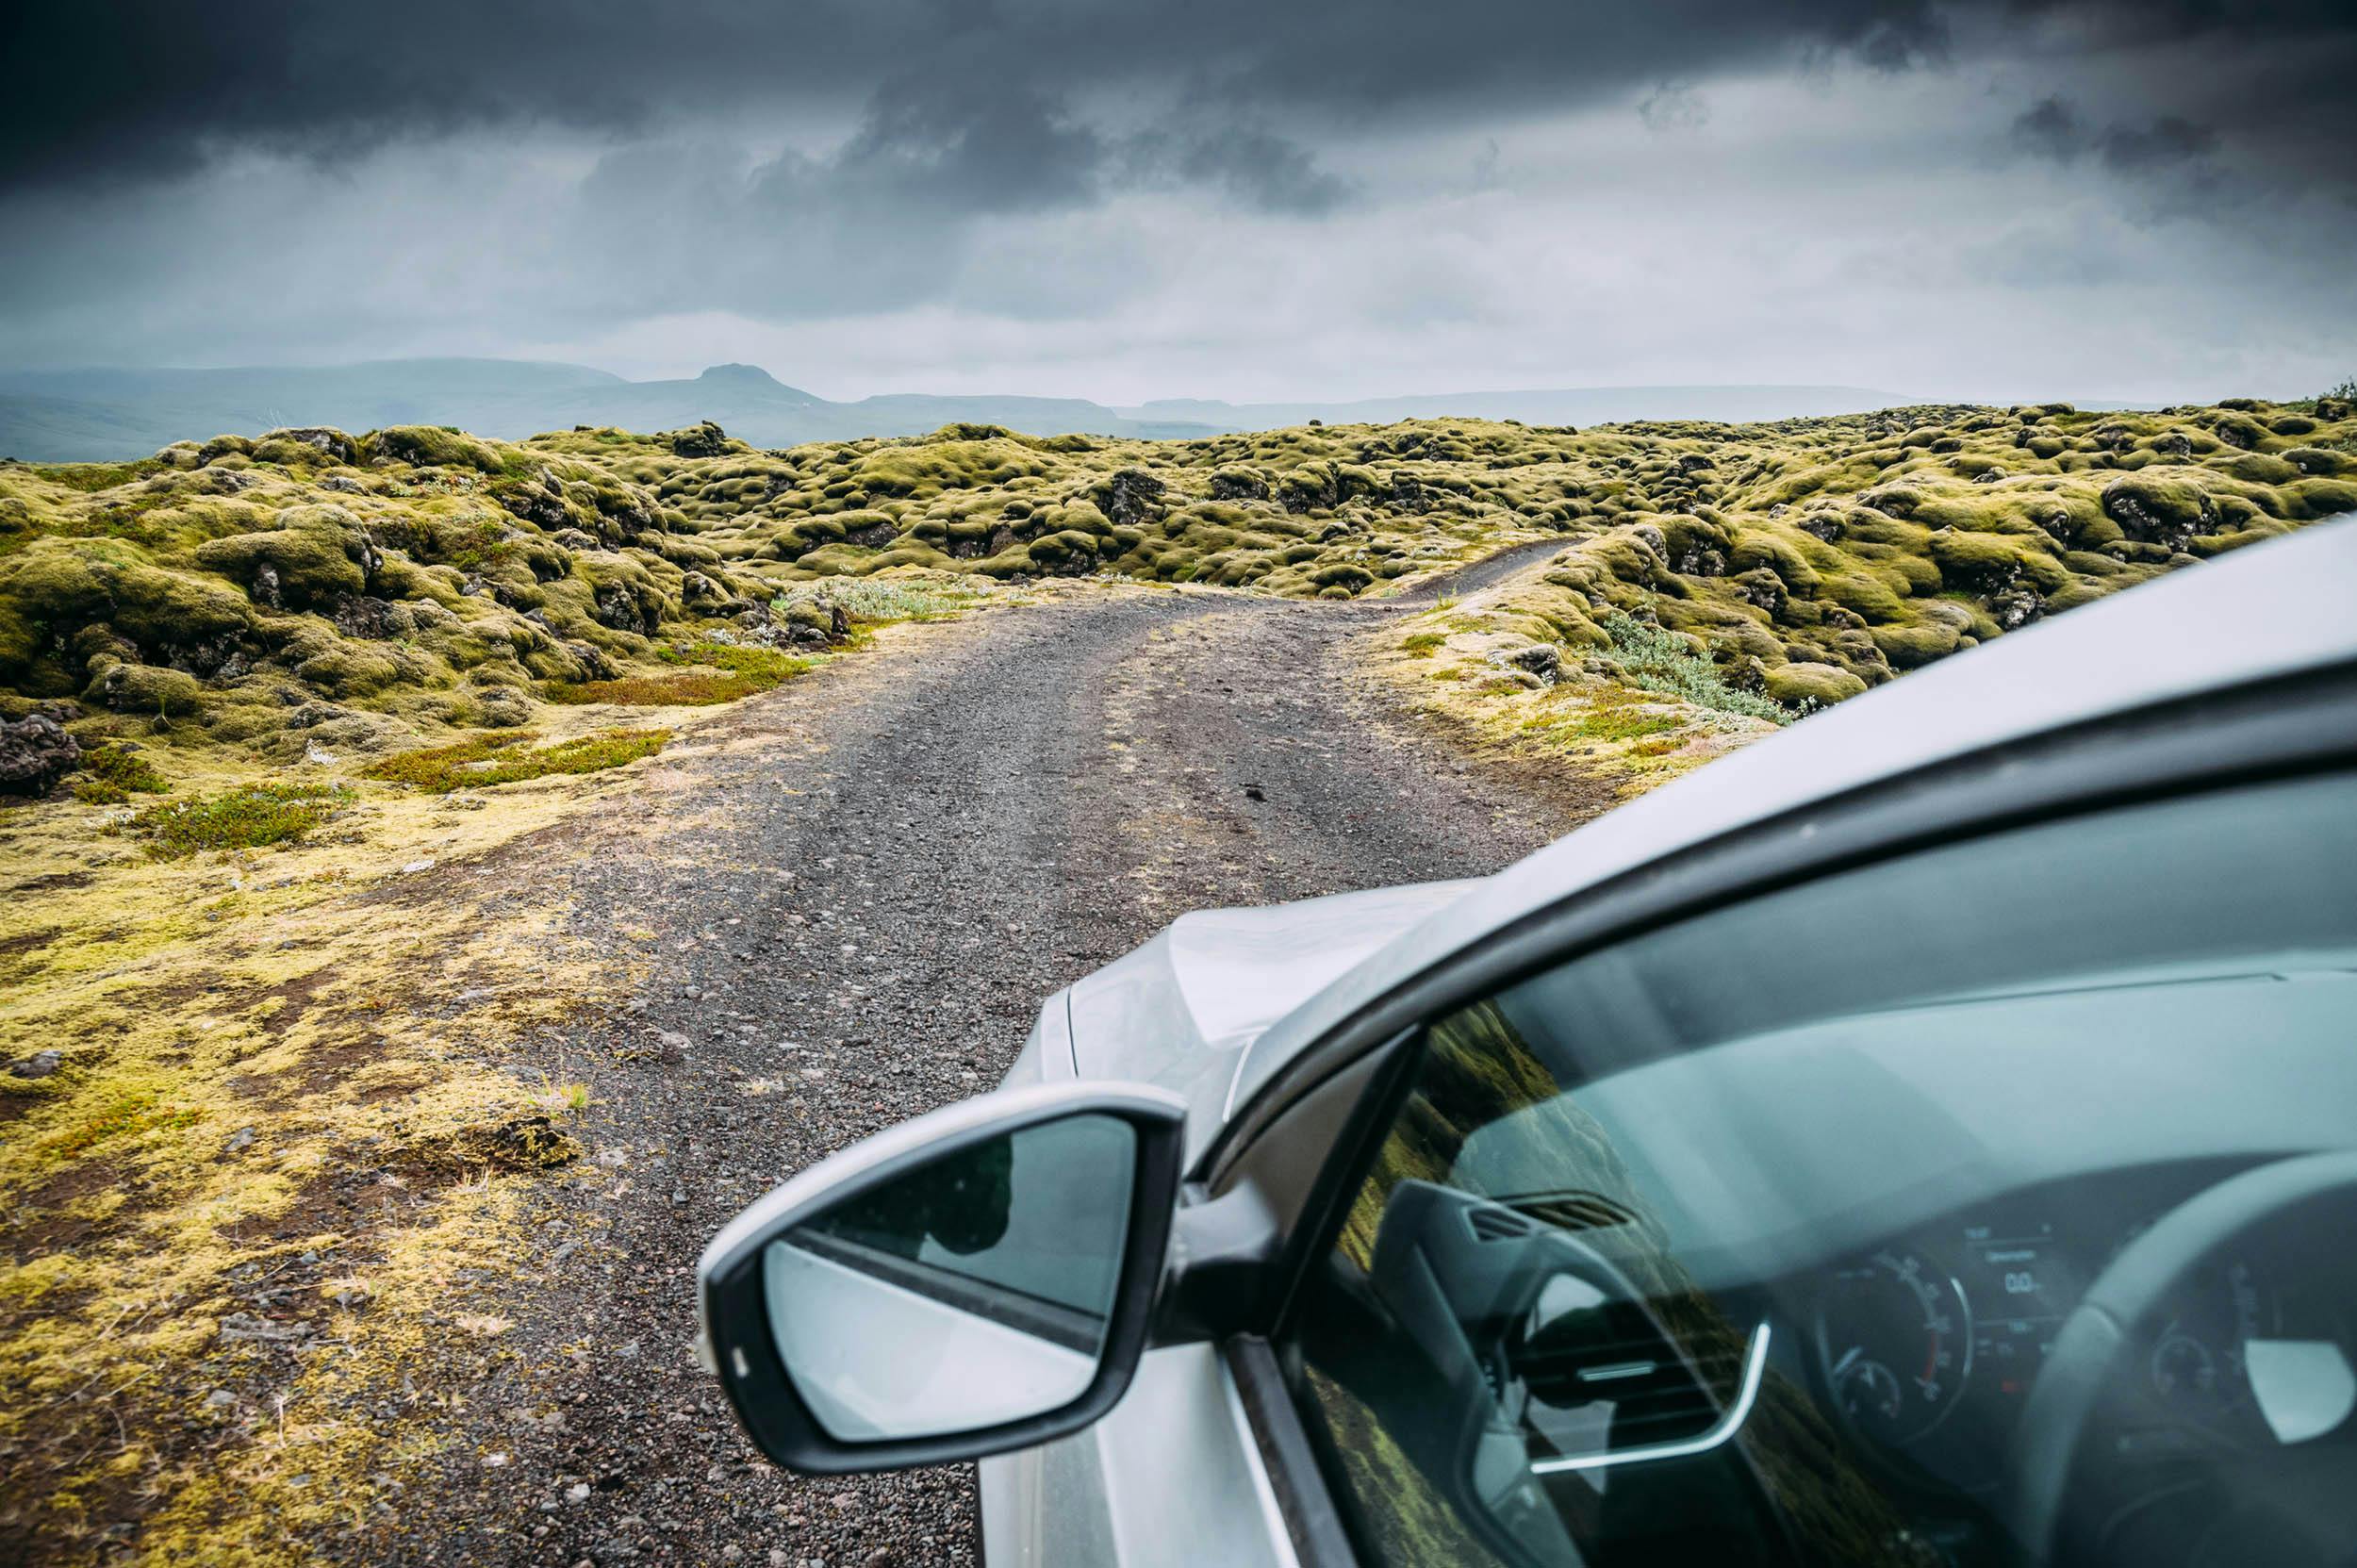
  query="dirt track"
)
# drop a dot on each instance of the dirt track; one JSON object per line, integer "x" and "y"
{"x": 852, "y": 908}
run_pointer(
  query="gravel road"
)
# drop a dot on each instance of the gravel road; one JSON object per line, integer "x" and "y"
{"x": 852, "y": 906}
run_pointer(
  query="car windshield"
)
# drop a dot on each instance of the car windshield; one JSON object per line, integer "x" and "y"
{"x": 1776, "y": 1217}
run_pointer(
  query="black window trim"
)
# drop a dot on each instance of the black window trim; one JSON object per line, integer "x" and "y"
{"x": 2270, "y": 730}
{"x": 1304, "y": 1501}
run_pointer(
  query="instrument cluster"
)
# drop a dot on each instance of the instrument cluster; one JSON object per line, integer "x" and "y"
{"x": 1928, "y": 1345}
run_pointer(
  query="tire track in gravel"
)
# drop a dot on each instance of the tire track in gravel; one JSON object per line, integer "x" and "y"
{"x": 854, "y": 899}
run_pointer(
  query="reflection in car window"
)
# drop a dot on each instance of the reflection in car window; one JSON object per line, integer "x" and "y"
{"x": 1750, "y": 1236}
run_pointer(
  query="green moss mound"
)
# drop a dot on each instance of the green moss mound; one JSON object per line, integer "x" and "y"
{"x": 427, "y": 577}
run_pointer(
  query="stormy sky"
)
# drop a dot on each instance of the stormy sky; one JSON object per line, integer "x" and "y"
{"x": 2148, "y": 200}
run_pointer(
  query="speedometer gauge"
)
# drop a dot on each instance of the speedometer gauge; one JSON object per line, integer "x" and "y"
{"x": 2197, "y": 1364}
{"x": 1897, "y": 1338}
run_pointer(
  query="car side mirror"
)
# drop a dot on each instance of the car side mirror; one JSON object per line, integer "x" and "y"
{"x": 978, "y": 1280}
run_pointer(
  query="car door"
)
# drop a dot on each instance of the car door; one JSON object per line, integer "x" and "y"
{"x": 1747, "y": 1234}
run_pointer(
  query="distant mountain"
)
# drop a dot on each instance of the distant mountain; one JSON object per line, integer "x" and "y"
{"x": 1562, "y": 405}
{"x": 67, "y": 415}
{"x": 70, "y": 415}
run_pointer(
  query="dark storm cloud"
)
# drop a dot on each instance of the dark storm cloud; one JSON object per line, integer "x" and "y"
{"x": 2231, "y": 117}
{"x": 2264, "y": 83}
{"x": 987, "y": 148}
{"x": 988, "y": 106}
{"x": 143, "y": 88}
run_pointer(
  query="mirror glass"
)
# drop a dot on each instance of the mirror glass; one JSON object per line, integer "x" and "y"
{"x": 968, "y": 1291}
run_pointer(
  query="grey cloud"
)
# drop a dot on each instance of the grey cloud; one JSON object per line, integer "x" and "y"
{"x": 1900, "y": 38}
{"x": 1673, "y": 107}
{"x": 2165, "y": 143}
{"x": 886, "y": 220}
{"x": 984, "y": 149}
{"x": 1263, "y": 170}
{"x": 2053, "y": 129}
{"x": 1253, "y": 165}
{"x": 2168, "y": 165}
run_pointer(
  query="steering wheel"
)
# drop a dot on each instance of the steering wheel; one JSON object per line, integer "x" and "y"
{"x": 2086, "y": 1407}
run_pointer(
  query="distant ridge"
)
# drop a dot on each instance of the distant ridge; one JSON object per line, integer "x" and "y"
{"x": 99, "y": 414}
{"x": 1546, "y": 405}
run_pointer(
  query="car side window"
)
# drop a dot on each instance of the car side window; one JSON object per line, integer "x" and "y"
{"x": 1747, "y": 1236}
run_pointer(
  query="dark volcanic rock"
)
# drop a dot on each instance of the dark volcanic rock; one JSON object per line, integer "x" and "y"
{"x": 1133, "y": 496}
{"x": 34, "y": 753}
{"x": 1542, "y": 659}
{"x": 706, "y": 440}
{"x": 327, "y": 442}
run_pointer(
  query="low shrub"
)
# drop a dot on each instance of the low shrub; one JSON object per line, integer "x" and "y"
{"x": 870, "y": 598}
{"x": 1651, "y": 659}
{"x": 112, "y": 774}
{"x": 242, "y": 818}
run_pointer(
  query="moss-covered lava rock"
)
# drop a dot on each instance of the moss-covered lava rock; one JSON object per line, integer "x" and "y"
{"x": 428, "y": 574}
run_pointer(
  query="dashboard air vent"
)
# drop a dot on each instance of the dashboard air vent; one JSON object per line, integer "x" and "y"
{"x": 1573, "y": 1210}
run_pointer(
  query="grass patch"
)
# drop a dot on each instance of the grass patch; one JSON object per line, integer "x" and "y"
{"x": 490, "y": 760}
{"x": 1422, "y": 643}
{"x": 242, "y": 818}
{"x": 727, "y": 671}
{"x": 687, "y": 689}
{"x": 767, "y": 665}
{"x": 131, "y": 1114}
{"x": 1625, "y": 719}
{"x": 872, "y": 600}
{"x": 1651, "y": 659}
{"x": 112, "y": 775}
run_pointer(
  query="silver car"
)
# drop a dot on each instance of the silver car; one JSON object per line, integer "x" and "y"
{"x": 1929, "y": 1136}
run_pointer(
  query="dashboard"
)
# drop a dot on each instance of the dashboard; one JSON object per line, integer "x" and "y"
{"x": 1926, "y": 1346}
{"x": 1581, "y": 1395}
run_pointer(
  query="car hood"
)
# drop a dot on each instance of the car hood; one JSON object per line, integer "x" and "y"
{"x": 1179, "y": 1011}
